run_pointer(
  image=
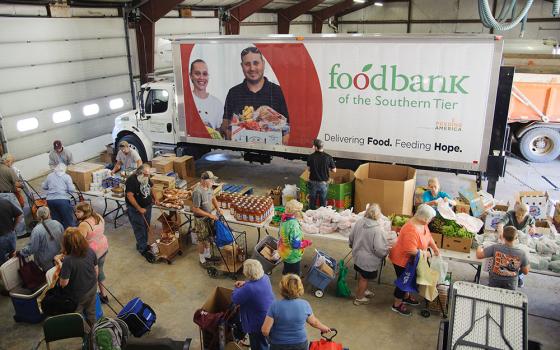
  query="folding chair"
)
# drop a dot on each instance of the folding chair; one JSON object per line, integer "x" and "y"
{"x": 63, "y": 326}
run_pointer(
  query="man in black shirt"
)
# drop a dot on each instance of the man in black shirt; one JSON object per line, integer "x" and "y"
{"x": 255, "y": 91}
{"x": 9, "y": 216}
{"x": 139, "y": 197}
{"x": 319, "y": 163}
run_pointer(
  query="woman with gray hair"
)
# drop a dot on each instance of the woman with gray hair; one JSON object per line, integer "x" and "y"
{"x": 414, "y": 235}
{"x": 519, "y": 218}
{"x": 59, "y": 186}
{"x": 254, "y": 297}
{"x": 369, "y": 247}
{"x": 45, "y": 242}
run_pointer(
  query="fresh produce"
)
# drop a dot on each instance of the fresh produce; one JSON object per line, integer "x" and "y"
{"x": 449, "y": 228}
{"x": 398, "y": 220}
{"x": 214, "y": 133}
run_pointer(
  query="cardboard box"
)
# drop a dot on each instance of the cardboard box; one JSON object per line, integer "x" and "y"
{"x": 81, "y": 174}
{"x": 391, "y": 186}
{"x": 438, "y": 239}
{"x": 457, "y": 244}
{"x": 480, "y": 202}
{"x": 327, "y": 269}
{"x": 543, "y": 227}
{"x": 166, "y": 181}
{"x": 158, "y": 191}
{"x": 462, "y": 207}
{"x": 169, "y": 249}
{"x": 233, "y": 256}
{"x": 537, "y": 201}
{"x": 184, "y": 167}
{"x": 164, "y": 163}
{"x": 339, "y": 193}
{"x": 494, "y": 216}
{"x": 240, "y": 134}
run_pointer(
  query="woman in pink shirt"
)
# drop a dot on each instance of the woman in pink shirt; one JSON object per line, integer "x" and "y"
{"x": 92, "y": 227}
{"x": 414, "y": 235}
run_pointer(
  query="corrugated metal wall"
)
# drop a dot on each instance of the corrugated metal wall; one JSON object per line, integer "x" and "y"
{"x": 50, "y": 65}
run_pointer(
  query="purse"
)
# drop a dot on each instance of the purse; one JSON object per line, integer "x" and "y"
{"x": 32, "y": 276}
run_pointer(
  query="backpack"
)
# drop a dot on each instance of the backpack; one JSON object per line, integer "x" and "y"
{"x": 223, "y": 233}
{"x": 108, "y": 334}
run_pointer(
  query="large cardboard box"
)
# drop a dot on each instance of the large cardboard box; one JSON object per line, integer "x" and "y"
{"x": 494, "y": 216}
{"x": 438, "y": 239}
{"x": 166, "y": 181}
{"x": 218, "y": 301}
{"x": 457, "y": 244}
{"x": 537, "y": 201}
{"x": 81, "y": 174}
{"x": 339, "y": 193}
{"x": 164, "y": 163}
{"x": 391, "y": 186}
{"x": 184, "y": 167}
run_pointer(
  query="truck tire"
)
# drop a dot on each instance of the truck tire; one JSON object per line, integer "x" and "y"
{"x": 540, "y": 145}
{"x": 135, "y": 144}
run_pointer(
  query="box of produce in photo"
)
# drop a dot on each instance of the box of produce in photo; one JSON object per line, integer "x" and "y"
{"x": 340, "y": 191}
{"x": 454, "y": 236}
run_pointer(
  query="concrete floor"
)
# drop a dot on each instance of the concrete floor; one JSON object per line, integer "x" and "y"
{"x": 176, "y": 291}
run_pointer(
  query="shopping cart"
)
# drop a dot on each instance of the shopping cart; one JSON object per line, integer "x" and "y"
{"x": 231, "y": 256}
{"x": 317, "y": 277}
{"x": 267, "y": 265}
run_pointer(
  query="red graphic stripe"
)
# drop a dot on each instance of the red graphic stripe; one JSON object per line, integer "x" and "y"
{"x": 193, "y": 122}
{"x": 298, "y": 78}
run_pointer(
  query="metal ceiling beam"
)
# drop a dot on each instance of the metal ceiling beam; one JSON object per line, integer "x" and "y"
{"x": 320, "y": 16}
{"x": 285, "y": 16}
{"x": 239, "y": 12}
{"x": 150, "y": 12}
{"x": 368, "y": 3}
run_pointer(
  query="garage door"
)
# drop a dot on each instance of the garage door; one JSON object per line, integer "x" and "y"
{"x": 61, "y": 78}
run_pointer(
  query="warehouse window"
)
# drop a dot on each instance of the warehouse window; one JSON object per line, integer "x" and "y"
{"x": 157, "y": 101}
{"x": 91, "y": 109}
{"x": 116, "y": 103}
{"x": 61, "y": 116}
{"x": 27, "y": 124}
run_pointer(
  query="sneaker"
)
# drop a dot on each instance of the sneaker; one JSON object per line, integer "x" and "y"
{"x": 149, "y": 256}
{"x": 369, "y": 294}
{"x": 411, "y": 301}
{"x": 362, "y": 301}
{"x": 401, "y": 309}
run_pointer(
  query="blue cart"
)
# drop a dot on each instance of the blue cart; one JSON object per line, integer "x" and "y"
{"x": 319, "y": 279}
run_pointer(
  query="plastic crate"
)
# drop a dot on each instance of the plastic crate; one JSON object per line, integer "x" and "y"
{"x": 319, "y": 279}
{"x": 267, "y": 265}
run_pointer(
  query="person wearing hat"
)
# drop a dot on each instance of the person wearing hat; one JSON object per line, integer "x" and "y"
{"x": 128, "y": 159}
{"x": 203, "y": 202}
{"x": 319, "y": 163}
{"x": 59, "y": 155}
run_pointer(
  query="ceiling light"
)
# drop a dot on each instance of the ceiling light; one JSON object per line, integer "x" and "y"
{"x": 27, "y": 124}
{"x": 116, "y": 103}
{"x": 90, "y": 109}
{"x": 377, "y": 3}
{"x": 61, "y": 116}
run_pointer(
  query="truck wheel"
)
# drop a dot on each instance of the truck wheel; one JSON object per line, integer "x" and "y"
{"x": 135, "y": 144}
{"x": 540, "y": 145}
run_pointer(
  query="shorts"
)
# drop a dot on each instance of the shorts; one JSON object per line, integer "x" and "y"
{"x": 203, "y": 229}
{"x": 368, "y": 275}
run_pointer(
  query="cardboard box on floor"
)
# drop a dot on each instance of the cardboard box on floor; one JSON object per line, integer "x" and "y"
{"x": 184, "y": 167}
{"x": 339, "y": 193}
{"x": 164, "y": 163}
{"x": 81, "y": 174}
{"x": 219, "y": 300}
{"x": 391, "y": 186}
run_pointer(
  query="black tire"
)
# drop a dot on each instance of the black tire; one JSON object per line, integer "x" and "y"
{"x": 212, "y": 272}
{"x": 540, "y": 145}
{"x": 135, "y": 144}
{"x": 425, "y": 313}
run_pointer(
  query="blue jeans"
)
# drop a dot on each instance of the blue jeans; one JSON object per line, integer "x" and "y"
{"x": 20, "y": 226}
{"x": 63, "y": 212}
{"x": 317, "y": 189}
{"x": 258, "y": 341}
{"x": 7, "y": 246}
{"x": 139, "y": 226}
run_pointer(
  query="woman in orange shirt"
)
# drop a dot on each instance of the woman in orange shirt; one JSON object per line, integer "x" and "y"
{"x": 414, "y": 235}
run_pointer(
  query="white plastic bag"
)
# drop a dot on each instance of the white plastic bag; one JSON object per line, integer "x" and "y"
{"x": 441, "y": 267}
{"x": 445, "y": 210}
{"x": 470, "y": 223}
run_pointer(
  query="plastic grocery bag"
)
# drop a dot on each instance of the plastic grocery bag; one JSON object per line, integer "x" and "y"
{"x": 445, "y": 210}
{"x": 425, "y": 275}
{"x": 342, "y": 289}
{"x": 407, "y": 280}
{"x": 470, "y": 223}
{"x": 440, "y": 266}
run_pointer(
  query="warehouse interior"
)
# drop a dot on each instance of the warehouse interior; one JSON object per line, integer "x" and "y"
{"x": 73, "y": 70}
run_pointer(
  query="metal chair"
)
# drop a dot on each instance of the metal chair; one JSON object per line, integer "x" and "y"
{"x": 63, "y": 326}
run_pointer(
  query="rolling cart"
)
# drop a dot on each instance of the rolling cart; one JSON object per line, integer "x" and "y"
{"x": 318, "y": 278}
{"x": 231, "y": 256}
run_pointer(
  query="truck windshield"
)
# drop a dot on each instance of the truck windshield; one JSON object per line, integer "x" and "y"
{"x": 156, "y": 102}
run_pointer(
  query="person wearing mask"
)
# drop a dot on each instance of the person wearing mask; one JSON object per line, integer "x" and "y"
{"x": 369, "y": 247}
{"x": 139, "y": 198}
{"x": 254, "y": 297}
{"x": 92, "y": 227}
{"x": 291, "y": 243}
{"x": 128, "y": 159}
{"x": 59, "y": 187}
{"x": 10, "y": 214}
{"x": 9, "y": 189}
{"x": 414, "y": 235}
{"x": 78, "y": 272}
{"x": 59, "y": 155}
{"x": 319, "y": 163}
{"x": 285, "y": 321}
{"x": 46, "y": 240}
{"x": 431, "y": 196}
{"x": 204, "y": 203}
{"x": 509, "y": 261}
{"x": 210, "y": 109}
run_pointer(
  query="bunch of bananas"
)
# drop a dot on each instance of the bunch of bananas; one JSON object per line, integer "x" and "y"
{"x": 214, "y": 133}
{"x": 247, "y": 113}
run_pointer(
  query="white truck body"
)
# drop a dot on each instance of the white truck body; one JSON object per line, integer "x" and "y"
{"x": 415, "y": 99}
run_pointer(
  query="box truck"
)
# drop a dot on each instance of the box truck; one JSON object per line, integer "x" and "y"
{"x": 420, "y": 100}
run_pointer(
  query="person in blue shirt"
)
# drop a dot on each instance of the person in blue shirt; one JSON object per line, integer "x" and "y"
{"x": 431, "y": 196}
{"x": 254, "y": 297}
{"x": 285, "y": 322}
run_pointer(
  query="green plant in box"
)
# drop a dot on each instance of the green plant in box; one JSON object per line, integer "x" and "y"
{"x": 398, "y": 220}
